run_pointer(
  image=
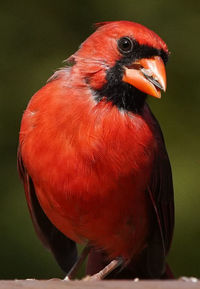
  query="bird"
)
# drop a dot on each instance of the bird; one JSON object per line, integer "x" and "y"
{"x": 93, "y": 159}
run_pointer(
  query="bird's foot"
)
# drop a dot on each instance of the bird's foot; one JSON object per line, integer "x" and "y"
{"x": 72, "y": 273}
{"x": 105, "y": 271}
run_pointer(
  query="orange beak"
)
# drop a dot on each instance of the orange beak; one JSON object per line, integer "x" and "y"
{"x": 147, "y": 75}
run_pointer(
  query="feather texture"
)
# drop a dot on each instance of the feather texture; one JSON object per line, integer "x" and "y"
{"x": 94, "y": 171}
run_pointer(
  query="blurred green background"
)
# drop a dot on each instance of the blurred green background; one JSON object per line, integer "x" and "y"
{"x": 35, "y": 37}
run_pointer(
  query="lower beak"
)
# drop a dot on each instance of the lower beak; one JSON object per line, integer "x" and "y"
{"x": 147, "y": 75}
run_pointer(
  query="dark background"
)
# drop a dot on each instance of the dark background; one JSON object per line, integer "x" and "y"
{"x": 35, "y": 37}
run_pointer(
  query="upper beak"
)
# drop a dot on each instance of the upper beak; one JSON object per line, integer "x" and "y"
{"x": 147, "y": 75}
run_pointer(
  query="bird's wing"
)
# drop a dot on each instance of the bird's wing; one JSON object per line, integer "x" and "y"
{"x": 63, "y": 248}
{"x": 162, "y": 196}
{"x": 151, "y": 263}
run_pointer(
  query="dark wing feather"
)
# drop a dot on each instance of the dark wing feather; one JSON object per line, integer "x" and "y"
{"x": 162, "y": 197}
{"x": 63, "y": 249}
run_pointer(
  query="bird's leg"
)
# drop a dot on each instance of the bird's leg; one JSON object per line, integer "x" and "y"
{"x": 72, "y": 273}
{"x": 106, "y": 270}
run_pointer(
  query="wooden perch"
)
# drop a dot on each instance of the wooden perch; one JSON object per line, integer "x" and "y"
{"x": 60, "y": 284}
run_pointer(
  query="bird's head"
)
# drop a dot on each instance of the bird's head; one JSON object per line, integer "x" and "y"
{"x": 122, "y": 62}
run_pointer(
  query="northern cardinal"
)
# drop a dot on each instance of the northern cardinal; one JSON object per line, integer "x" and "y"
{"x": 93, "y": 160}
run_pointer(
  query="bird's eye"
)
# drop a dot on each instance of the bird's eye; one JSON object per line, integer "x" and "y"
{"x": 125, "y": 45}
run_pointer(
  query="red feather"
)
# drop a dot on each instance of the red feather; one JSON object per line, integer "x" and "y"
{"x": 99, "y": 173}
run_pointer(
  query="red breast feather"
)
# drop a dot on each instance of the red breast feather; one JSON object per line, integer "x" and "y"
{"x": 90, "y": 165}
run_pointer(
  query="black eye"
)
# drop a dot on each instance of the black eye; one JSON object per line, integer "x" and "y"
{"x": 125, "y": 45}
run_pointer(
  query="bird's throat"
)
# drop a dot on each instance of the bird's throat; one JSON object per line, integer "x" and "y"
{"x": 123, "y": 95}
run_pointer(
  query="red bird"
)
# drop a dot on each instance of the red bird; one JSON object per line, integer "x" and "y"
{"x": 93, "y": 160}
